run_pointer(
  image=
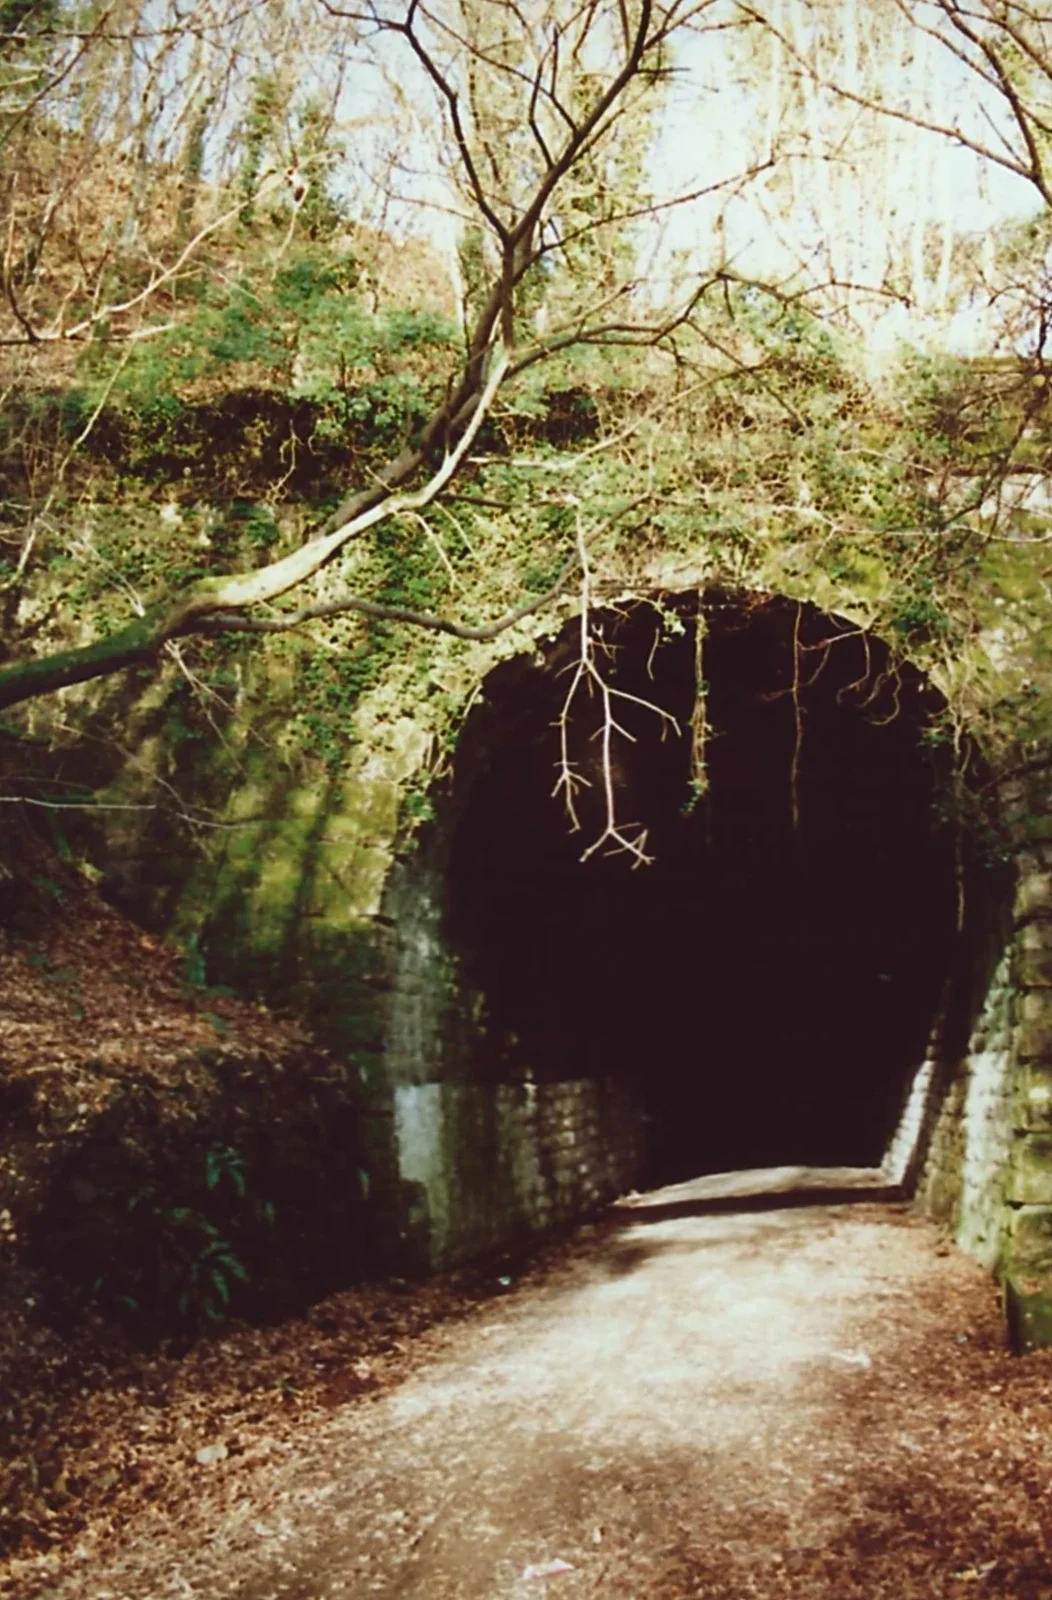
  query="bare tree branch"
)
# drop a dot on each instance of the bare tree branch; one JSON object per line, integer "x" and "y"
{"x": 952, "y": 132}
{"x": 142, "y": 639}
{"x": 568, "y": 107}
{"x": 616, "y": 837}
{"x": 341, "y": 605}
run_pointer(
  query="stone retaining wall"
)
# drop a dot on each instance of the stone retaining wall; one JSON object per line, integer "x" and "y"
{"x": 1027, "y": 1254}
{"x": 985, "y": 1149}
{"x": 487, "y": 1166}
{"x": 970, "y": 1116}
{"x": 470, "y": 1151}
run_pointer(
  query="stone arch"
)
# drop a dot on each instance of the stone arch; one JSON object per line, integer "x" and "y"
{"x": 765, "y": 992}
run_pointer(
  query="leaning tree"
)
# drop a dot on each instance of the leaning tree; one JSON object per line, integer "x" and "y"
{"x": 531, "y": 123}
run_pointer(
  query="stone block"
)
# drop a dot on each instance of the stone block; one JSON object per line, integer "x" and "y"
{"x": 1000, "y": 1036}
{"x": 1030, "y": 1170}
{"x": 1028, "y": 1246}
{"x": 1033, "y": 896}
{"x": 1028, "y": 1309}
{"x": 1027, "y": 1276}
{"x": 407, "y": 746}
{"x": 1033, "y": 1006}
{"x": 1034, "y": 1109}
{"x": 1035, "y": 967}
{"x": 1034, "y": 1040}
{"x": 1035, "y": 936}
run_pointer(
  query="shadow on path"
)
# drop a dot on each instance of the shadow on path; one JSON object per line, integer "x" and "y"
{"x": 759, "y": 1189}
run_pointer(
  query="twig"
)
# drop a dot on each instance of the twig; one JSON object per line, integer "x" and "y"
{"x": 586, "y": 675}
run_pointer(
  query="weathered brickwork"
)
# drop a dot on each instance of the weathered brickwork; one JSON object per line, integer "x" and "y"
{"x": 987, "y": 1137}
{"x": 1027, "y": 1254}
{"x": 970, "y": 1140}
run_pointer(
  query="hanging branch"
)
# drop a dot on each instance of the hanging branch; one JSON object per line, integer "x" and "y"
{"x": 699, "y": 721}
{"x": 798, "y": 724}
{"x": 619, "y": 837}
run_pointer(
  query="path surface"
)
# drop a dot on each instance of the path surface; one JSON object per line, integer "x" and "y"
{"x": 735, "y": 1392}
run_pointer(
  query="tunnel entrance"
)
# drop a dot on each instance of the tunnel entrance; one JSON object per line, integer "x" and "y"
{"x": 771, "y": 976}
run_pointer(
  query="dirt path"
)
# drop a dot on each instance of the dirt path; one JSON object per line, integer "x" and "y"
{"x": 717, "y": 1398}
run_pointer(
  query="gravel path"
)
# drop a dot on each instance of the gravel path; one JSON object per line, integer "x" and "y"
{"x": 756, "y": 1387}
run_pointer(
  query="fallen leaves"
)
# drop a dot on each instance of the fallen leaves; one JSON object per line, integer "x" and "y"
{"x": 110, "y": 1431}
{"x": 100, "y": 1030}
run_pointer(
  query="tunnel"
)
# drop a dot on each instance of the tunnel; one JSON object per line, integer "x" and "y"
{"x": 762, "y": 943}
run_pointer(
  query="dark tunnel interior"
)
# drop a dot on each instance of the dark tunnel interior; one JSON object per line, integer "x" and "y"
{"x": 771, "y": 976}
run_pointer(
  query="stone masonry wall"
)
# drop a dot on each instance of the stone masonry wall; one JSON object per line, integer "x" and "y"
{"x": 471, "y": 1153}
{"x": 986, "y": 1149}
{"x": 487, "y": 1166}
{"x": 1027, "y": 1256}
{"x": 310, "y": 895}
{"x": 971, "y": 1127}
